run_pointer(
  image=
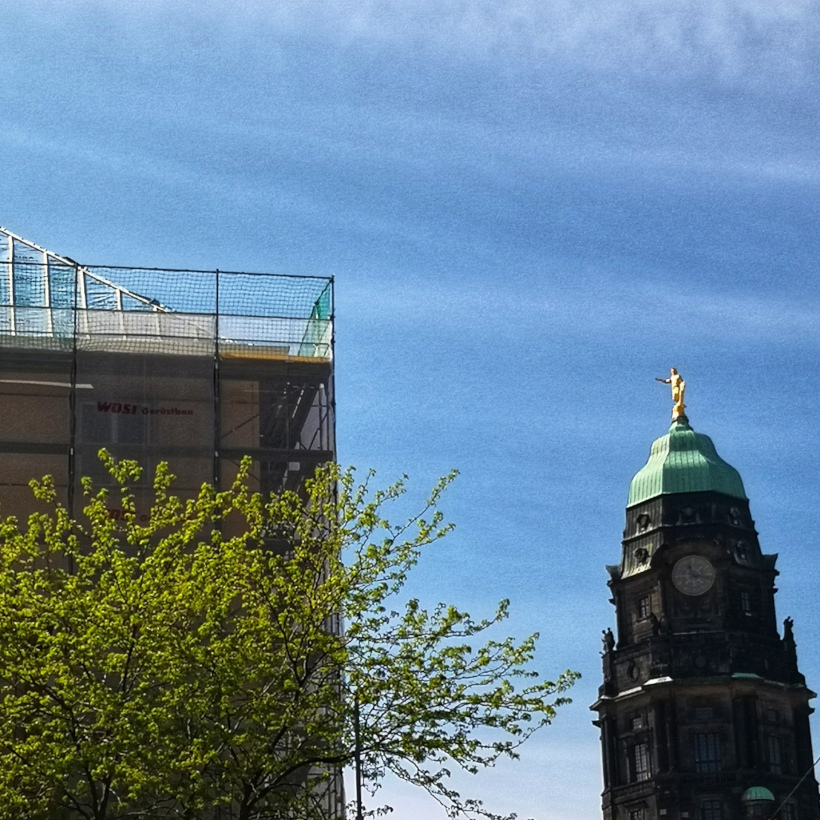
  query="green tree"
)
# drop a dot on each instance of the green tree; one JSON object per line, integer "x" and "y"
{"x": 164, "y": 668}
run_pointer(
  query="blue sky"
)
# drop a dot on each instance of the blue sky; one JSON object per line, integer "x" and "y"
{"x": 531, "y": 209}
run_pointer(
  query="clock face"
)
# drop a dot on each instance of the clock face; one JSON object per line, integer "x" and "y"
{"x": 693, "y": 575}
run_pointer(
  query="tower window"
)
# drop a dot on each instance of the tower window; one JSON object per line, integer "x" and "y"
{"x": 710, "y": 810}
{"x": 788, "y": 812}
{"x": 643, "y": 607}
{"x": 774, "y": 754}
{"x": 707, "y": 752}
{"x": 637, "y": 722}
{"x": 746, "y": 601}
{"x": 640, "y": 756}
{"x": 636, "y": 814}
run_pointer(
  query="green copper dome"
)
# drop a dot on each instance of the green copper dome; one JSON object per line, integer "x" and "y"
{"x": 757, "y": 793}
{"x": 684, "y": 461}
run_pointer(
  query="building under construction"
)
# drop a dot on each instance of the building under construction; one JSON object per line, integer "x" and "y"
{"x": 196, "y": 368}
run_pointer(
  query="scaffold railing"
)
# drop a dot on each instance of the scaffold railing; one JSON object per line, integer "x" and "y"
{"x": 49, "y": 301}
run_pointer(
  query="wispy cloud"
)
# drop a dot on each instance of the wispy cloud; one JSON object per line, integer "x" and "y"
{"x": 606, "y": 305}
{"x": 734, "y": 40}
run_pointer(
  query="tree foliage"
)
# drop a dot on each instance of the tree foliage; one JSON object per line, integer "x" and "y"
{"x": 159, "y": 667}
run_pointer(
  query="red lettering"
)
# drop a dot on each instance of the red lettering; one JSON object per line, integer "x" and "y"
{"x": 103, "y": 406}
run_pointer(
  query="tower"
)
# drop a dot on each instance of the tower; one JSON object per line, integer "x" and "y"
{"x": 703, "y": 712}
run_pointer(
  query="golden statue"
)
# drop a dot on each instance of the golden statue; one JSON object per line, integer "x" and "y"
{"x": 678, "y": 386}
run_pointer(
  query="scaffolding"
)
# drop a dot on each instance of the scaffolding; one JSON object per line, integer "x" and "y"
{"x": 196, "y": 368}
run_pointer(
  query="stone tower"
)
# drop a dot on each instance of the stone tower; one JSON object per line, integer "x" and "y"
{"x": 703, "y": 712}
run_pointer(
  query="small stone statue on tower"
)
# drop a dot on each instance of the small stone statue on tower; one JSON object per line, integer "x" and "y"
{"x": 608, "y": 656}
{"x": 678, "y": 385}
{"x": 789, "y": 644}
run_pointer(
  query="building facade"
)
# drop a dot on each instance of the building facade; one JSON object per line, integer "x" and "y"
{"x": 198, "y": 369}
{"x": 195, "y": 368}
{"x": 703, "y": 712}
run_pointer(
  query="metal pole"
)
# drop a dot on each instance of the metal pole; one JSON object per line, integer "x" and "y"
{"x": 72, "y": 402}
{"x": 357, "y": 755}
{"x": 217, "y": 393}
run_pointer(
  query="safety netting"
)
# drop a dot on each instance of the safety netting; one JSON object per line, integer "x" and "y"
{"x": 55, "y": 304}
{"x": 195, "y": 368}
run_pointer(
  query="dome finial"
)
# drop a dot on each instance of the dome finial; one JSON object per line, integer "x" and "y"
{"x": 678, "y": 385}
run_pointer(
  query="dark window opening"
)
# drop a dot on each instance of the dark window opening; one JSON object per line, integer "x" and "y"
{"x": 640, "y": 757}
{"x": 774, "y": 754}
{"x": 710, "y": 810}
{"x": 707, "y": 752}
{"x": 643, "y": 608}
